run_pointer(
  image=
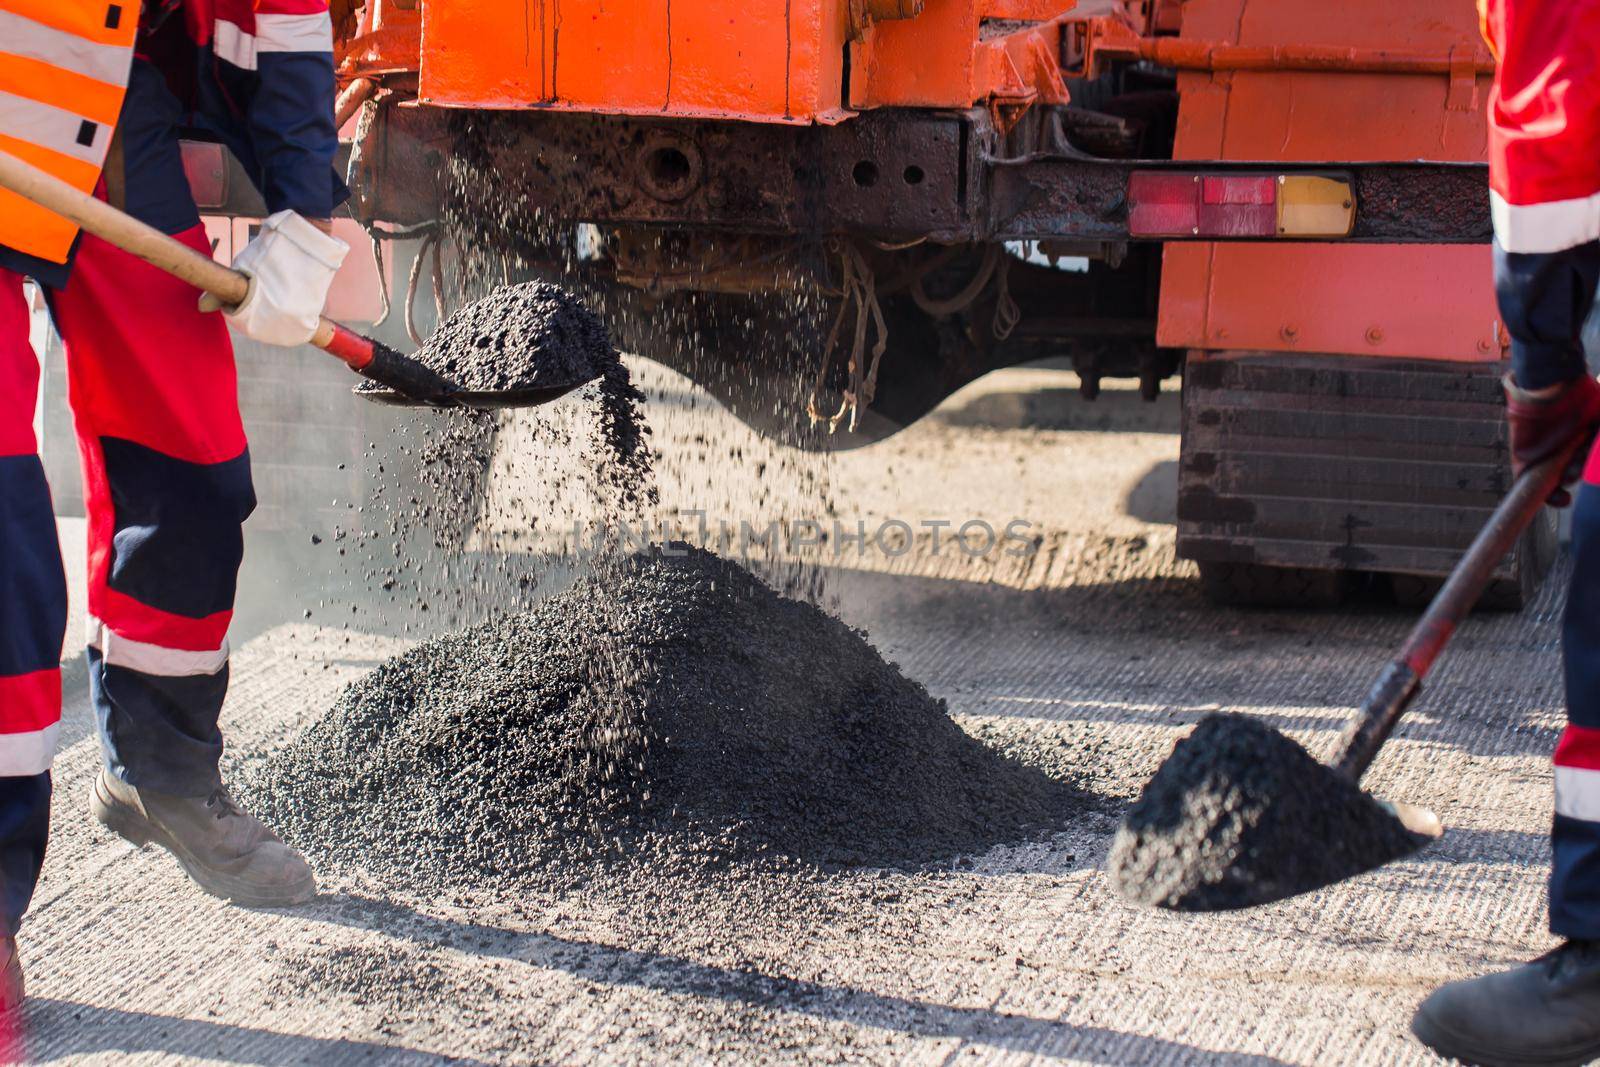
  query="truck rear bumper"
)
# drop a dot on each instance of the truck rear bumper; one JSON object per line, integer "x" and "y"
{"x": 902, "y": 173}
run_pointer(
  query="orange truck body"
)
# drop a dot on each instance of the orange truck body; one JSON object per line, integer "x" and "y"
{"x": 1284, "y": 81}
{"x": 1419, "y": 301}
{"x": 1341, "y": 406}
{"x": 733, "y": 59}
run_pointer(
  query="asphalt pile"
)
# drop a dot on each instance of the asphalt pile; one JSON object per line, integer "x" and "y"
{"x": 669, "y": 708}
{"x": 1241, "y": 815}
{"x": 528, "y": 336}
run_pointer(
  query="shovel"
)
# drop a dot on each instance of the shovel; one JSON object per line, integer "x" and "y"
{"x": 1240, "y": 815}
{"x": 404, "y": 380}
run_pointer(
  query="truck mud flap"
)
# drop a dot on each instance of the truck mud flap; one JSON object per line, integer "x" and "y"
{"x": 1344, "y": 464}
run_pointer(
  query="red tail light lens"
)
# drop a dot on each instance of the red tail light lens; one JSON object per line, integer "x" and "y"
{"x": 1162, "y": 205}
{"x": 1239, "y": 207}
{"x": 1194, "y": 205}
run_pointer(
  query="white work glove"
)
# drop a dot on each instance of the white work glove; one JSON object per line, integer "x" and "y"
{"x": 291, "y": 265}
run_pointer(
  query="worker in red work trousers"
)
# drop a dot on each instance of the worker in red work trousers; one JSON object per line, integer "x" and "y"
{"x": 95, "y": 91}
{"x": 1544, "y": 170}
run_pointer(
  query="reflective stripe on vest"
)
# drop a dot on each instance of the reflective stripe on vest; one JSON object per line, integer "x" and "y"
{"x": 63, "y": 72}
{"x": 115, "y": 23}
{"x": 24, "y": 37}
{"x": 52, "y": 127}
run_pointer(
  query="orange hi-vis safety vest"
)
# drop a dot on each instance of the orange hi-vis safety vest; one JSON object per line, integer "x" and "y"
{"x": 63, "y": 70}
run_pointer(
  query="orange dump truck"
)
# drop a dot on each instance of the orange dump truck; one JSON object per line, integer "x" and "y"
{"x": 833, "y": 213}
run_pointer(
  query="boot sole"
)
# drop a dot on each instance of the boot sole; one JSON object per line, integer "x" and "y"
{"x": 137, "y": 830}
{"x": 1448, "y": 1043}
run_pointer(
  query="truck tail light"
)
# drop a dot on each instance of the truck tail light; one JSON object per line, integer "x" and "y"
{"x": 1313, "y": 206}
{"x": 1162, "y": 204}
{"x": 1168, "y": 204}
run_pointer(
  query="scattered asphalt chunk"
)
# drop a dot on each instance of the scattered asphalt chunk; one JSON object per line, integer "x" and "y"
{"x": 1241, "y": 815}
{"x": 623, "y": 437}
{"x": 670, "y": 710}
{"x": 364, "y": 974}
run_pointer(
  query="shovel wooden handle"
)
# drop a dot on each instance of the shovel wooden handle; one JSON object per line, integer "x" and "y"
{"x": 160, "y": 250}
{"x": 123, "y": 230}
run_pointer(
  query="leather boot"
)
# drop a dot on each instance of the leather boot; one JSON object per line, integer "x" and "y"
{"x": 11, "y": 990}
{"x": 1545, "y": 1012}
{"x": 228, "y": 853}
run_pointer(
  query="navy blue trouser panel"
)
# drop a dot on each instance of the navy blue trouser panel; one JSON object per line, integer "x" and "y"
{"x": 178, "y": 541}
{"x": 24, "y": 830}
{"x": 33, "y": 622}
{"x": 159, "y": 732}
{"x": 1575, "y": 842}
{"x": 33, "y": 586}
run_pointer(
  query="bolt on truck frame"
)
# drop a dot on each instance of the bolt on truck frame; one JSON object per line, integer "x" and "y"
{"x": 834, "y": 213}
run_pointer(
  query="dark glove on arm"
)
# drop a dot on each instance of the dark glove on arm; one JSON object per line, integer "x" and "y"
{"x": 1542, "y": 426}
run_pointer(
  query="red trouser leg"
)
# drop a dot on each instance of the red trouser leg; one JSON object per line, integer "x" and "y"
{"x": 33, "y": 617}
{"x": 167, "y": 485}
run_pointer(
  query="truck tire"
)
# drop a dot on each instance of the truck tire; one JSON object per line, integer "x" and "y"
{"x": 1258, "y": 585}
{"x": 1536, "y": 551}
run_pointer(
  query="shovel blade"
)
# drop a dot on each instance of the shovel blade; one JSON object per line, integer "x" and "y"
{"x": 506, "y": 398}
{"x": 1240, "y": 815}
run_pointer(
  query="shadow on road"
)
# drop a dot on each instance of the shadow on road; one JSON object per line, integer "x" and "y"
{"x": 57, "y": 1029}
{"x": 1114, "y": 411}
{"x": 996, "y": 1029}
{"x": 1154, "y": 498}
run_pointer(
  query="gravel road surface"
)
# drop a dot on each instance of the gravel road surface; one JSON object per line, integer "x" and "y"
{"x": 1089, "y": 657}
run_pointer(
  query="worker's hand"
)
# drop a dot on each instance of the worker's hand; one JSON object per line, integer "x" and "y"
{"x": 1546, "y": 421}
{"x": 291, "y": 264}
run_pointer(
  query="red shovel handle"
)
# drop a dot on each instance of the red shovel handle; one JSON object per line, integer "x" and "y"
{"x": 1471, "y": 576}
{"x": 1402, "y": 679}
{"x": 376, "y": 360}
{"x": 341, "y": 341}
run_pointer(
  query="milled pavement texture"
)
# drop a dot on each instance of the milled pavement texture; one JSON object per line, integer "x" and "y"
{"x": 1096, "y": 654}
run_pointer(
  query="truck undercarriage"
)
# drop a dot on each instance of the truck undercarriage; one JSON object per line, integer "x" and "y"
{"x": 967, "y": 248}
{"x": 832, "y": 268}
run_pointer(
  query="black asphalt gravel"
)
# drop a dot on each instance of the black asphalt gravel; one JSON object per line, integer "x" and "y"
{"x": 1241, "y": 815}
{"x": 669, "y": 708}
{"x": 518, "y": 336}
{"x": 622, "y": 441}
{"x": 530, "y": 336}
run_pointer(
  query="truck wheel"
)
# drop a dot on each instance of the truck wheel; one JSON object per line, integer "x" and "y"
{"x": 1535, "y": 552}
{"x": 1415, "y": 592}
{"x": 1258, "y": 585}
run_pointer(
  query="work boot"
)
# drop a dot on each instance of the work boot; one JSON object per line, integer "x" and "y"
{"x": 229, "y": 853}
{"x": 10, "y": 977}
{"x": 1545, "y": 1012}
